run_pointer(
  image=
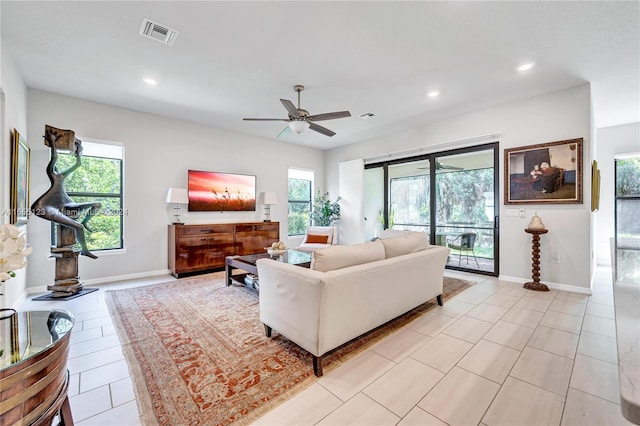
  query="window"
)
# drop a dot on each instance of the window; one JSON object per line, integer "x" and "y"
{"x": 98, "y": 179}
{"x": 299, "y": 194}
{"x": 409, "y": 202}
{"x": 444, "y": 194}
{"x": 627, "y": 236}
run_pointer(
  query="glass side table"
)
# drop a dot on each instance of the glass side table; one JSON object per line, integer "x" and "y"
{"x": 34, "y": 379}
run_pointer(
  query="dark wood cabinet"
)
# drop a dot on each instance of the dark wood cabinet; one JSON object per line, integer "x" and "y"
{"x": 201, "y": 248}
{"x": 252, "y": 238}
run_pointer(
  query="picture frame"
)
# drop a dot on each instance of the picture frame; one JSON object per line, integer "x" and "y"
{"x": 546, "y": 173}
{"x": 20, "y": 179}
{"x": 595, "y": 187}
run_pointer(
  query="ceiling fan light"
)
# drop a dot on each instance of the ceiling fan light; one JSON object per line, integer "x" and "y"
{"x": 298, "y": 126}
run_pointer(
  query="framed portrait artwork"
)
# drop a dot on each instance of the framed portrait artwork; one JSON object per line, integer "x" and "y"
{"x": 545, "y": 173}
{"x": 20, "y": 179}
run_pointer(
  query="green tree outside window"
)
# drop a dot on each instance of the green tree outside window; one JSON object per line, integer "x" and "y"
{"x": 299, "y": 206}
{"x": 98, "y": 179}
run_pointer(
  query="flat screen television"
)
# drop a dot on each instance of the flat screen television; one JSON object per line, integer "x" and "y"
{"x": 221, "y": 192}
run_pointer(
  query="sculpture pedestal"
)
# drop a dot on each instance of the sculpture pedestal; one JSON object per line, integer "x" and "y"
{"x": 67, "y": 280}
{"x": 535, "y": 285}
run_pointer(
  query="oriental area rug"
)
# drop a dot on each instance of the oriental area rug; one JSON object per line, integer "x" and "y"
{"x": 199, "y": 356}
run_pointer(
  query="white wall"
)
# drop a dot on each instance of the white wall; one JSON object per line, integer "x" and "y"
{"x": 13, "y": 116}
{"x": 158, "y": 153}
{"x": 351, "y": 181}
{"x": 558, "y": 116}
{"x": 611, "y": 141}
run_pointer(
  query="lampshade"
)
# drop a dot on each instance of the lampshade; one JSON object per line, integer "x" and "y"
{"x": 177, "y": 196}
{"x": 267, "y": 198}
{"x": 298, "y": 126}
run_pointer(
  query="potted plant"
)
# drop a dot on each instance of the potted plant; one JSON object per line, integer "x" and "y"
{"x": 325, "y": 212}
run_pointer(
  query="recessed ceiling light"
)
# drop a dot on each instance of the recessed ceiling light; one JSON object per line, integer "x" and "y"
{"x": 150, "y": 81}
{"x": 433, "y": 94}
{"x": 525, "y": 67}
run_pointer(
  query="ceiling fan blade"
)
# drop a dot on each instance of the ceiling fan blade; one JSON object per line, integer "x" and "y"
{"x": 320, "y": 129}
{"x": 291, "y": 108}
{"x": 329, "y": 116}
{"x": 265, "y": 119}
{"x": 447, "y": 167}
{"x": 284, "y": 132}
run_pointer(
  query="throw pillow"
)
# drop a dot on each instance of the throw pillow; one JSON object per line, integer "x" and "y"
{"x": 409, "y": 243}
{"x": 338, "y": 257}
{"x": 317, "y": 239}
{"x": 322, "y": 230}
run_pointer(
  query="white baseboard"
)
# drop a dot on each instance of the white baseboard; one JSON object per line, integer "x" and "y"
{"x": 555, "y": 286}
{"x": 96, "y": 281}
{"x": 135, "y": 276}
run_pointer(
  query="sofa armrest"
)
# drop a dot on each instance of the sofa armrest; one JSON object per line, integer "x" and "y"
{"x": 290, "y": 298}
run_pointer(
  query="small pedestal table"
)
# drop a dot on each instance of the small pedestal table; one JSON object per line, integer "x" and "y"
{"x": 535, "y": 261}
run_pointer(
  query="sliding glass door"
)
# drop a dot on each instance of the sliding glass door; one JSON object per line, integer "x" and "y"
{"x": 451, "y": 196}
{"x": 465, "y": 197}
{"x": 409, "y": 196}
{"x": 627, "y": 236}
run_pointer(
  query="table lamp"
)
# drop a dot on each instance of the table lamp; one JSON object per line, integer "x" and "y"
{"x": 177, "y": 196}
{"x": 268, "y": 199}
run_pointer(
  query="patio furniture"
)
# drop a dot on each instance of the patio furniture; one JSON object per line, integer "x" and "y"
{"x": 464, "y": 244}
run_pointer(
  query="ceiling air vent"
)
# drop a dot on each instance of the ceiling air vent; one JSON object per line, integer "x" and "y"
{"x": 158, "y": 32}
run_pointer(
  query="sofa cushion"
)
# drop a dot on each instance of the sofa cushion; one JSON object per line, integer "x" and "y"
{"x": 338, "y": 257}
{"x": 391, "y": 233}
{"x": 405, "y": 244}
{"x": 317, "y": 239}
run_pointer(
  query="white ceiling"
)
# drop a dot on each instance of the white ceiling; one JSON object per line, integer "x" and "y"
{"x": 237, "y": 59}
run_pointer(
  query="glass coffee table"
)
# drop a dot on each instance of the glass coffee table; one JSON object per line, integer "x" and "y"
{"x": 248, "y": 265}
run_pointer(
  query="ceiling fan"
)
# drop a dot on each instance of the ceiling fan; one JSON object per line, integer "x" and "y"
{"x": 300, "y": 120}
{"x": 442, "y": 166}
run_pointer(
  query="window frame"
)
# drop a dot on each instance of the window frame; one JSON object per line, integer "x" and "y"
{"x": 121, "y": 212}
{"x": 300, "y": 175}
{"x": 622, "y": 250}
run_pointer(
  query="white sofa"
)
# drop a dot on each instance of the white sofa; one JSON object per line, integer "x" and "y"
{"x": 349, "y": 290}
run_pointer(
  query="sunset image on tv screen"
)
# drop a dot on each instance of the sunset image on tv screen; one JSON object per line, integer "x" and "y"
{"x": 212, "y": 191}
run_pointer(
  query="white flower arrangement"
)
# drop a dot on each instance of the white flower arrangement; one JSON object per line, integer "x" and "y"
{"x": 13, "y": 251}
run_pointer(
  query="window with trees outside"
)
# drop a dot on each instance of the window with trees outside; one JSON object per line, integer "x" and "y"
{"x": 627, "y": 236}
{"x": 299, "y": 195}
{"x": 449, "y": 195}
{"x": 98, "y": 179}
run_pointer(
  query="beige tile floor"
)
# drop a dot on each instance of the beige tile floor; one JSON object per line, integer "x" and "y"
{"x": 496, "y": 354}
